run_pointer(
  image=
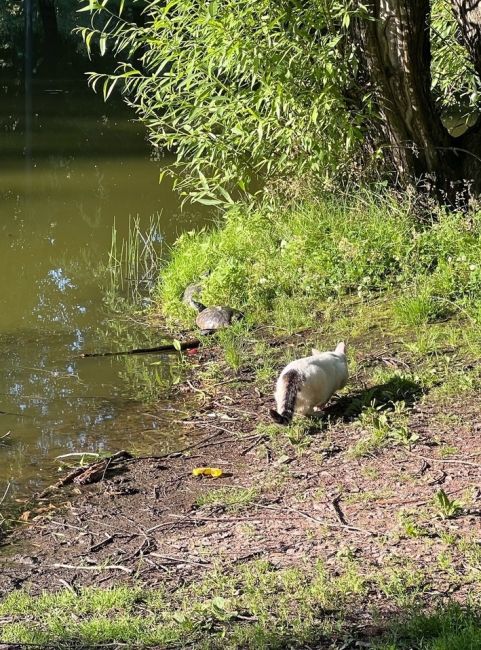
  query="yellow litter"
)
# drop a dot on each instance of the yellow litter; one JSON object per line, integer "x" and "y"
{"x": 214, "y": 472}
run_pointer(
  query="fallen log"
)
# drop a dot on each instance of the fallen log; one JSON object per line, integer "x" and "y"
{"x": 167, "y": 347}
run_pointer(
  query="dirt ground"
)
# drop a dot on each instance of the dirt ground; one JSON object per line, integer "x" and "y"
{"x": 151, "y": 520}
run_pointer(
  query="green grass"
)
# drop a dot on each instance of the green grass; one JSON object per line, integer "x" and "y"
{"x": 252, "y": 606}
{"x": 449, "y": 628}
{"x": 234, "y": 498}
{"x": 278, "y": 605}
{"x": 283, "y": 266}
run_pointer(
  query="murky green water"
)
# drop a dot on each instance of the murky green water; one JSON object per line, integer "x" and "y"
{"x": 89, "y": 166}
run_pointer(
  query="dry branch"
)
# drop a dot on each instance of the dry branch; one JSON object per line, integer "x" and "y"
{"x": 167, "y": 347}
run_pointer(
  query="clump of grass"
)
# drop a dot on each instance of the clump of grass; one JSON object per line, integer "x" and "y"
{"x": 133, "y": 263}
{"x": 234, "y": 343}
{"x": 383, "y": 423}
{"x": 403, "y": 585}
{"x": 234, "y": 498}
{"x": 429, "y": 340}
{"x": 415, "y": 310}
{"x": 447, "y": 508}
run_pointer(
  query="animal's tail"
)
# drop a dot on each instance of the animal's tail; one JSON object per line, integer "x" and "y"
{"x": 340, "y": 348}
{"x": 292, "y": 383}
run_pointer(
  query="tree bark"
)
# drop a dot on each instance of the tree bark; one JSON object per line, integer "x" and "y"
{"x": 397, "y": 46}
{"x": 468, "y": 15}
{"x": 396, "y": 43}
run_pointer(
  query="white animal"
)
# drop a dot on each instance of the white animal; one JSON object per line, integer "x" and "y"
{"x": 306, "y": 384}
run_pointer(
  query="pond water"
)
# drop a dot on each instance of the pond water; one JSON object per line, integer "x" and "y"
{"x": 84, "y": 166}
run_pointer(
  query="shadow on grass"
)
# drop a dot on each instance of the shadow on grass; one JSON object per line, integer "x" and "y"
{"x": 382, "y": 397}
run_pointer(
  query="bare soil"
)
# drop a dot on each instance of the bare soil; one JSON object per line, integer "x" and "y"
{"x": 310, "y": 498}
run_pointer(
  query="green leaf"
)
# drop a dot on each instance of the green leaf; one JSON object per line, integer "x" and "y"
{"x": 205, "y": 201}
{"x": 213, "y": 6}
{"x": 103, "y": 44}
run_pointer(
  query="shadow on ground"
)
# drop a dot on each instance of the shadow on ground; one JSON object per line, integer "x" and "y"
{"x": 383, "y": 397}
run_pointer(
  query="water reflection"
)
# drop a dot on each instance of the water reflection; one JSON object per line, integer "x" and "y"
{"x": 89, "y": 166}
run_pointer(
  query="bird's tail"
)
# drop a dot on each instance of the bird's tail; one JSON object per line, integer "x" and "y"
{"x": 292, "y": 383}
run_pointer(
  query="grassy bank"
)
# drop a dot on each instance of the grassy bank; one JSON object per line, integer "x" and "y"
{"x": 284, "y": 266}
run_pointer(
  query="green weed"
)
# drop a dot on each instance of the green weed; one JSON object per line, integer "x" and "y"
{"x": 447, "y": 508}
{"x": 410, "y": 526}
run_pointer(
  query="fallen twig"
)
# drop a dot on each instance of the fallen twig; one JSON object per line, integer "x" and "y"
{"x": 178, "y": 560}
{"x": 68, "y": 586}
{"x": 101, "y": 544}
{"x": 167, "y": 347}
{"x": 256, "y": 442}
{"x": 319, "y": 521}
{"x": 179, "y": 452}
{"x": 96, "y": 567}
{"x": 456, "y": 461}
{"x": 337, "y": 511}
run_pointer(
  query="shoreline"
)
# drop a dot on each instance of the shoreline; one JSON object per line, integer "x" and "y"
{"x": 290, "y": 497}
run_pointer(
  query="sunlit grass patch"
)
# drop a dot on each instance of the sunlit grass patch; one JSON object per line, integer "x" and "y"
{"x": 281, "y": 265}
{"x": 284, "y": 265}
{"x": 255, "y": 605}
{"x": 233, "y": 498}
{"x": 252, "y": 606}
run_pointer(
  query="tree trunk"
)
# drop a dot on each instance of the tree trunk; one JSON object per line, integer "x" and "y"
{"x": 396, "y": 43}
{"x": 48, "y": 15}
{"x": 468, "y": 15}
